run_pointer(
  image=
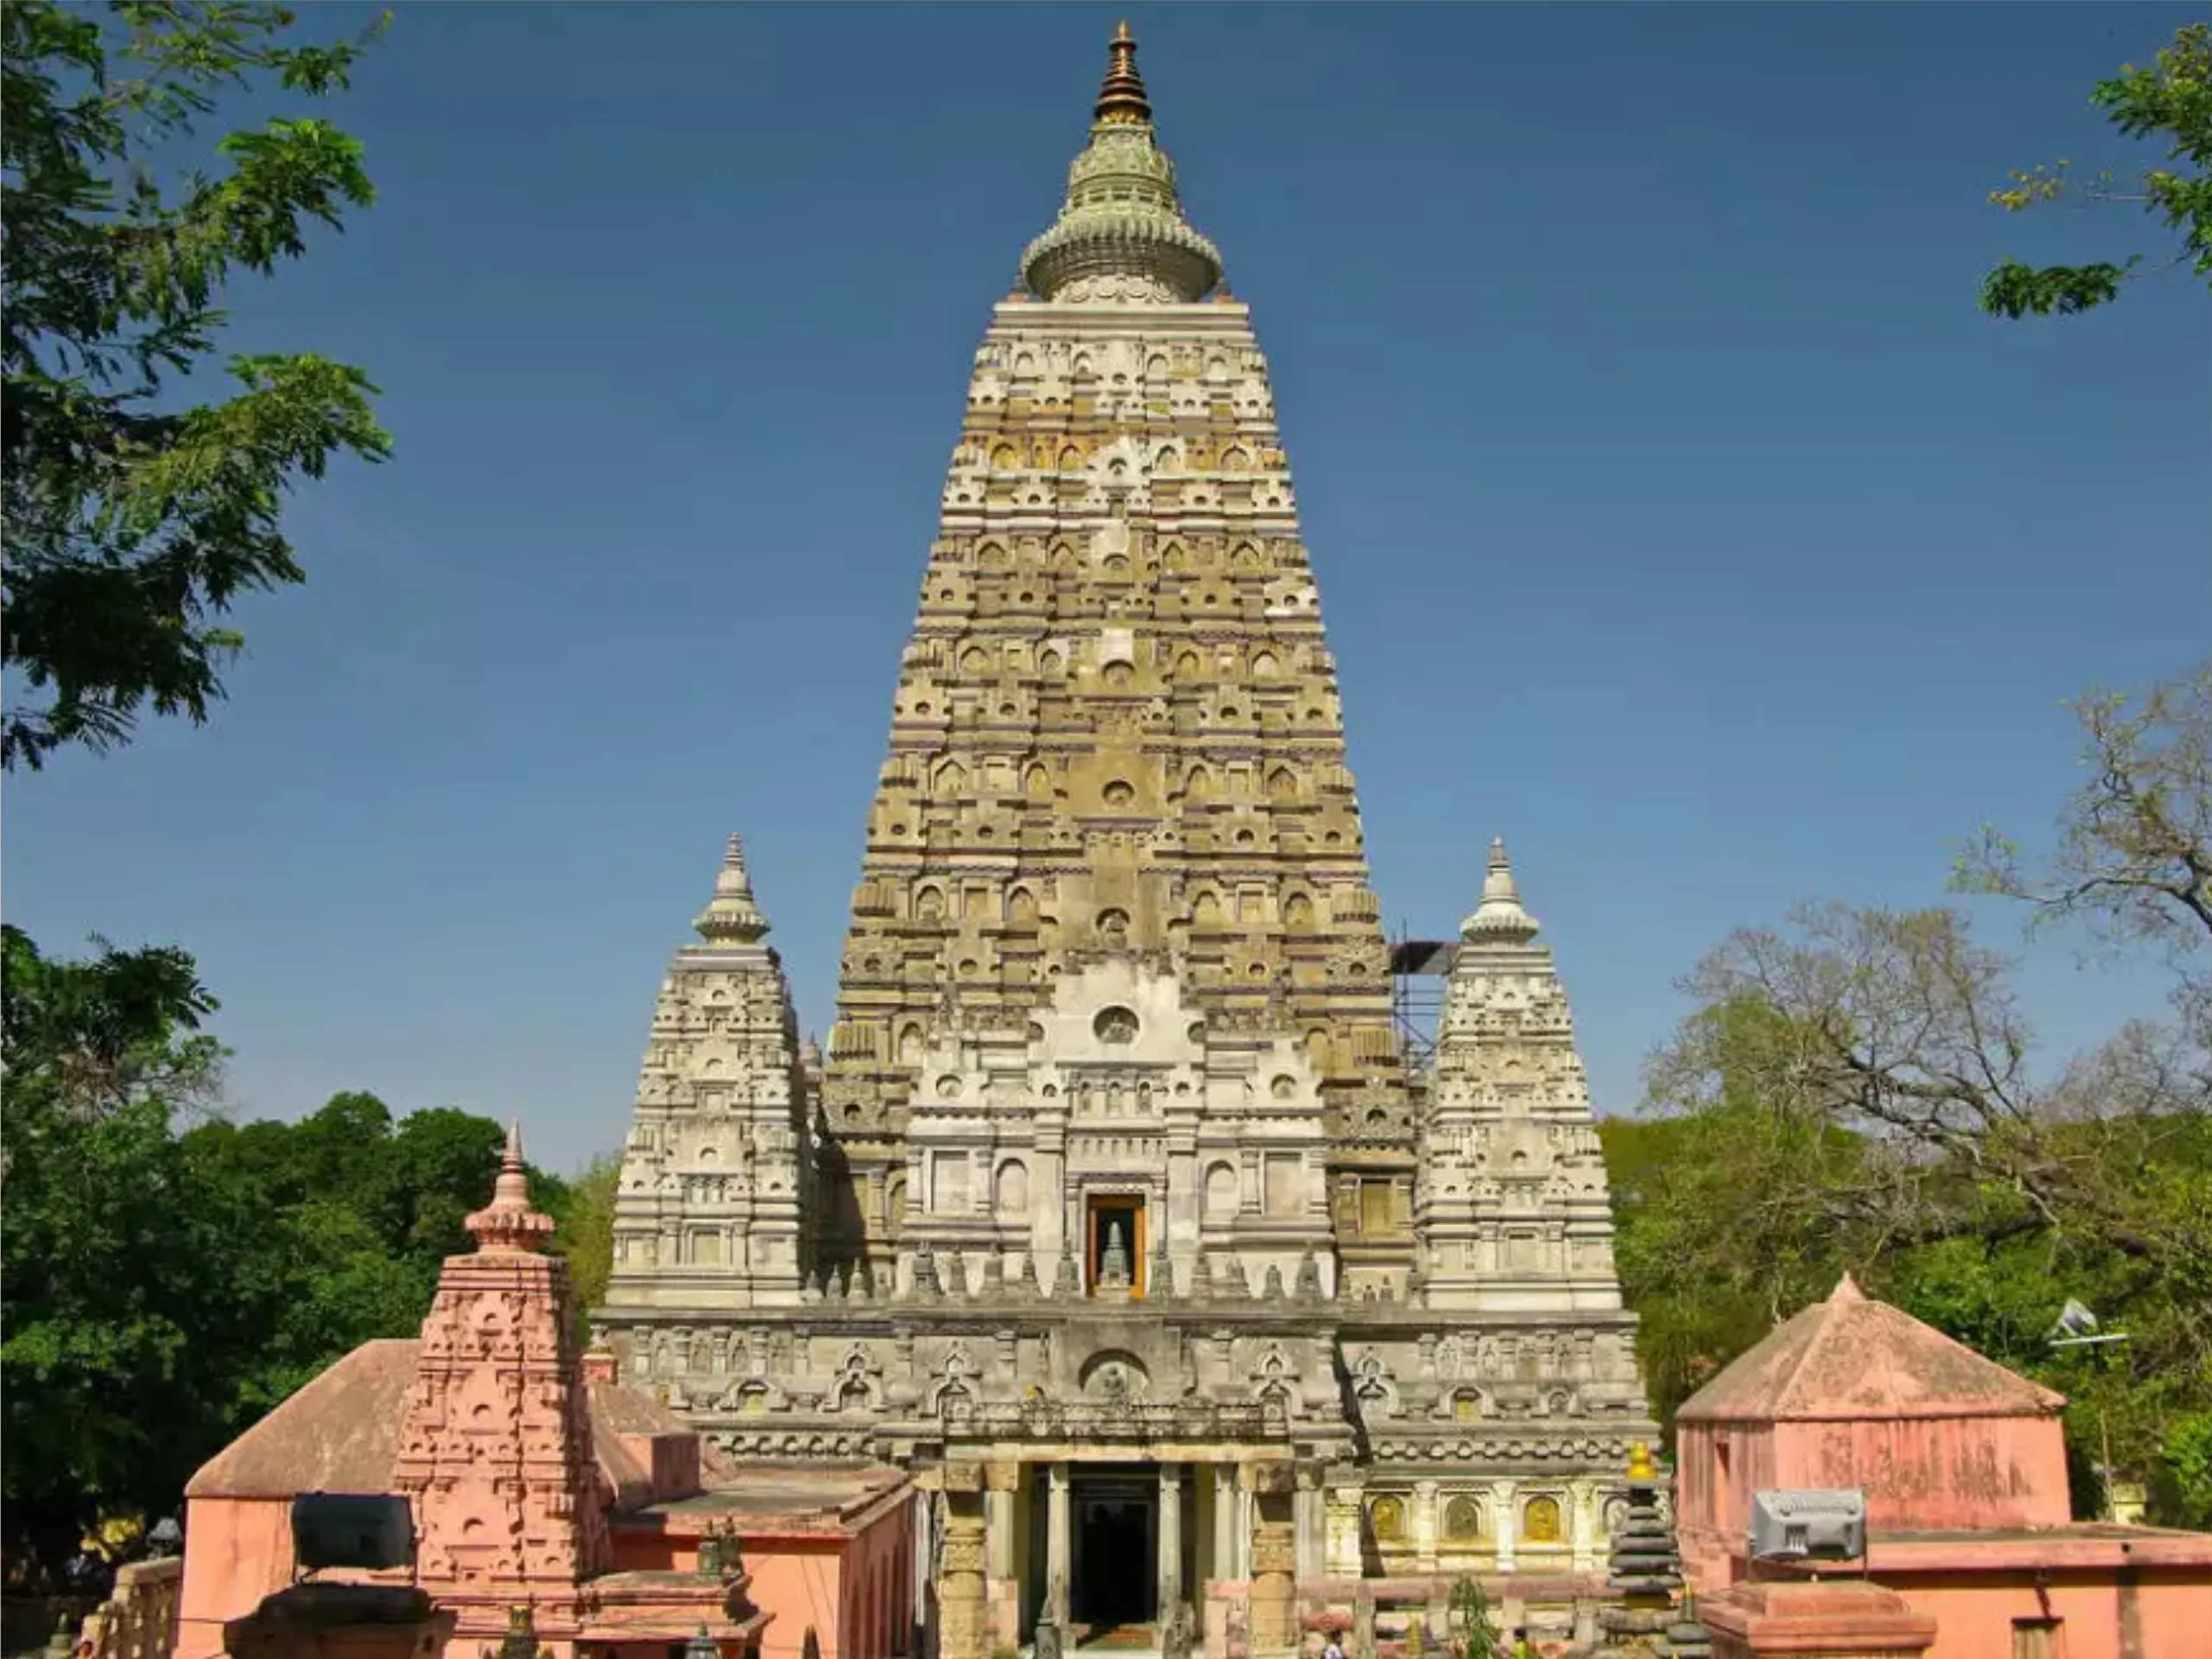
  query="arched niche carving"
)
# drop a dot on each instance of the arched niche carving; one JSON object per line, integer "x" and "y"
{"x": 1539, "y": 1522}
{"x": 1009, "y": 1190}
{"x": 1463, "y": 1519}
{"x": 1387, "y": 1517}
{"x": 1114, "y": 1374}
{"x": 1221, "y": 1191}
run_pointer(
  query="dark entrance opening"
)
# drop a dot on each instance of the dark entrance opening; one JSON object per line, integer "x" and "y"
{"x": 1116, "y": 1578}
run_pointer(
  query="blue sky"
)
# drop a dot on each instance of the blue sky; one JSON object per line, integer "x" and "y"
{"x": 1676, "y": 513}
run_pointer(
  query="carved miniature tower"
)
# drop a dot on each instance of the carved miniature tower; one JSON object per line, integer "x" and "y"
{"x": 1513, "y": 1207}
{"x": 495, "y": 1446}
{"x": 708, "y": 1209}
{"x": 1114, "y": 867}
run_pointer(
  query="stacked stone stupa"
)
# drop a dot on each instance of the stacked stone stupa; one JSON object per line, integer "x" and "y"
{"x": 1646, "y": 1575}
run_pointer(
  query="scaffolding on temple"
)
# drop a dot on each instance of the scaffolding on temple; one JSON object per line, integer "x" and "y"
{"x": 1418, "y": 971}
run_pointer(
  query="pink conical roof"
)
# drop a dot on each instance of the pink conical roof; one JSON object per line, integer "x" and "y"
{"x": 1852, "y": 1357}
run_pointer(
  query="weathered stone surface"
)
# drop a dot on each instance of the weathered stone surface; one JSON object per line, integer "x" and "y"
{"x": 1114, "y": 1117}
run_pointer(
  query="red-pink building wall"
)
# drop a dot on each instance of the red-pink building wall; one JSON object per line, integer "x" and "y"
{"x": 853, "y": 1589}
{"x": 1937, "y": 1474}
{"x": 1921, "y": 1474}
{"x": 239, "y": 1550}
{"x": 1718, "y": 1467}
{"x": 2000, "y": 1478}
{"x": 1977, "y": 1615}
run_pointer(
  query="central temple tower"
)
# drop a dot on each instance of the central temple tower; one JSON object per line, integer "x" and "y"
{"x": 1114, "y": 873}
{"x": 1115, "y": 1212}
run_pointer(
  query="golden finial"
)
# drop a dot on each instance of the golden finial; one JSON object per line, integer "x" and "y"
{"x": 1121, "y": 100}
{"x": 1639, "y": 1463}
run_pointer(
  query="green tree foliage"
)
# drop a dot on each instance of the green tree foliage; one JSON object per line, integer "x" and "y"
{"x": 1473, "y": 1634}
{"x": 1857, "y": 1093}
{"x": 166, "y": 1275}
{"x": 2170, "y": 102}
{"x": 113, "y": 1264}
{"x": 133, "y": 519}
{"x": 585, "y": 1211}
{"x": 1713, "y": 1260}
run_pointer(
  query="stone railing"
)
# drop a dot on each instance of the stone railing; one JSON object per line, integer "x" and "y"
{"x": 138, "y": 1620}
{"x": 1134, "y": 1420}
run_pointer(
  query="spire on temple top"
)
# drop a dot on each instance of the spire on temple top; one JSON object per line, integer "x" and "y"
{"x": 508, "y": 1222}
{"x": 1499, "y": 919}
{"x": 1121, "y": 236}
{"x": 730, "y": 915}
{"x": 1121, "y": 98}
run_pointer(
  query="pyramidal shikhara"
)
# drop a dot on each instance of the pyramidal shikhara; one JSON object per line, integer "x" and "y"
{"x": 1119, "y": 1185}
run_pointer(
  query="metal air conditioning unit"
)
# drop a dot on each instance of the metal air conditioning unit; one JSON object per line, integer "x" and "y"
{"x": 1809, "y": 1526}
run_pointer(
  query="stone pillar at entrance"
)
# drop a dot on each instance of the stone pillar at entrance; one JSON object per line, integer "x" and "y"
{"x": 1002, "y": 1587}
{"x": 1307, "y": 1517}
{"x": 1170, "y": 1540}
{"x": 1274, "y": 1557}
{"x": 1059, "y": 1552}
{"x": 1226, "y": 1508}
{"x": 1509, "y": 1523}
{"x": 960, "y": 1608}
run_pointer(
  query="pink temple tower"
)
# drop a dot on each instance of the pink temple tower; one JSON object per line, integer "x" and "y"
{"x": 496, "y": 1447}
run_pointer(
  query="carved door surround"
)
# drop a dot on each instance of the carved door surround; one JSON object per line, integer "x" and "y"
{"x": 1104, "y": 1202}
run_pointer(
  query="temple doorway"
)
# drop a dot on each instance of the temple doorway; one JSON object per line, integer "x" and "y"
{"x": 1115, "y": 1583}
{"x": 1114, "y": 1222}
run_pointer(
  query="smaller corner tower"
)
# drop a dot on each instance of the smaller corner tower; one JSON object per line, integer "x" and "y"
{"x": 1512, "y": 1205}
{"x": 495, "y": 1445}
{"x": 709, "y": 1209}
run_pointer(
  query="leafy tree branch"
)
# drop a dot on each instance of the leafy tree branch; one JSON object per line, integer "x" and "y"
{"x": 2171, "y": 99}
{"x": 133, "y": 525}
